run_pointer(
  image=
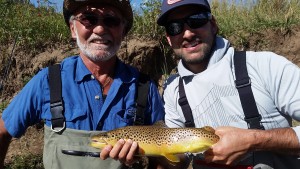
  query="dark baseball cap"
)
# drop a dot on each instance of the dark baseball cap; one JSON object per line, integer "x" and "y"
{"x": 70, "y": 6}
{"x": 169, "y": 5}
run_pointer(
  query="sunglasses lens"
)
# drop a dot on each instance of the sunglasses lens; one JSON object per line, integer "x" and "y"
{"x": 87, "y": 20}
{"x": 174, "y": 28}
{"x": 92, "y": 20}
{"x": 195, "y": 23}
{"x": 111, "y": 21}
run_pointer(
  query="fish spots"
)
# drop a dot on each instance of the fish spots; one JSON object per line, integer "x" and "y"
{"x": 161, "y": 137}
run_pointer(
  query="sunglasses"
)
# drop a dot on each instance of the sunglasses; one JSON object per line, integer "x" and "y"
{"x": 175, "y": 27}
{"x": 89, "y": 20}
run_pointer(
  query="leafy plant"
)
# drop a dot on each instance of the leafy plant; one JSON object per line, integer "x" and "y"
{"x": 145, "y": 21}
{"x": 29, "y": 161}
{"x": 35, "y": 27}
{"x": 3, "y": 105}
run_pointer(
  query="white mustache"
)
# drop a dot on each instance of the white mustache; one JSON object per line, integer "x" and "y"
{"x": 95, "y": 37}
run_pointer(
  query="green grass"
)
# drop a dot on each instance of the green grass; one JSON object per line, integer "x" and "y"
{"x": 3, "y": 106}
{"x": 28, "y": 161}
{"x": 37, "y": 28}
{"x": 265, "y": 14}
{"x": 33, "y": 28}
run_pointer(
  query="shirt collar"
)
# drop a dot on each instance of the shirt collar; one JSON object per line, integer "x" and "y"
{"x": 81, "y": 70}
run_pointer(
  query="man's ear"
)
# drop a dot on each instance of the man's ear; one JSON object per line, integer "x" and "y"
{"x": 73, "y": 30}
{"x": 215, "y": 26}
{"x": 169, "y": 41}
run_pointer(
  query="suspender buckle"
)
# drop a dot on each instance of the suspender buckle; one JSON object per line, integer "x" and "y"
{"x": 254, "y": 122}
{"x": 242, "y": 82}
{"x": 58, "y": 123}
{"x": 190, "y": 124}
{"x": 182, "y": 101}
{"x": 58, "y": 129}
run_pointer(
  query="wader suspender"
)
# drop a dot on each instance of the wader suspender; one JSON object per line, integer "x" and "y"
{"x": 243, "y": 85}
{"x": 141, "y": 100}
{"x": 56, "y": 101}
{"x": 184, "y": 104}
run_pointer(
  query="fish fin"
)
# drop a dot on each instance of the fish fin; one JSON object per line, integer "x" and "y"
{"x": 160, "y": 123}
{"x": 208, "y": 128}
{"x": 173, "y": 158}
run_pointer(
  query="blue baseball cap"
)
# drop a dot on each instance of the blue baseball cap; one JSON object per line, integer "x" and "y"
{"x": 169, "y": 5}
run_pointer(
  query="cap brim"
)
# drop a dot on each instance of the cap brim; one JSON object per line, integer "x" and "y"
{"x": 163, "y": 17}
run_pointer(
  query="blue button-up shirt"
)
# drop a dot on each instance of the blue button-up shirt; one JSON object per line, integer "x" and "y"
{"x": 84, "y": 106}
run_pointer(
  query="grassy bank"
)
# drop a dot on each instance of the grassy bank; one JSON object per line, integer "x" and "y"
{"x": 35, "y": 28}
{"x": 249, "y": 17}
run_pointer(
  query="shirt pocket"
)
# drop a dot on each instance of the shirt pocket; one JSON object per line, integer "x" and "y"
{"x": 126, "y": 116}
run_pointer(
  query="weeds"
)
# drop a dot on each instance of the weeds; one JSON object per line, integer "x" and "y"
{"x": 3, "y": 105}
{"x": 29, "y": 161}
{"x": 145, "y": 22}
{"x": 253, "y": 17}
{"x": 35, "y": 26}
{"x": 42, "y": 26}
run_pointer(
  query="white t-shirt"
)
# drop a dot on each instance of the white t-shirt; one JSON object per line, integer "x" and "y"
{"x": 214, "y": 99}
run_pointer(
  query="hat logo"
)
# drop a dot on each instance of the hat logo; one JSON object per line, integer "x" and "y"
{"x": 170, "y": 2}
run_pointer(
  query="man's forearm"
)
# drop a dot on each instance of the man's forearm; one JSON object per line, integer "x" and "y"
{"x": 283, "y": 140}
{"x": 3, "y": 150}
{"x": 235, "y": 142}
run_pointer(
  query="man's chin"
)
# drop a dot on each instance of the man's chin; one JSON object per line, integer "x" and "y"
{"x": 100, "y": 57}
{"x": 195, "y": 61}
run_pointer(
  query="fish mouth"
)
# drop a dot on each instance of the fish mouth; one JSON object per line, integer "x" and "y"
{"x": 98, "y": 143}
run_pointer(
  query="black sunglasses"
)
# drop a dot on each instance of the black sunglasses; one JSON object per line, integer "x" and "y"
{"x": 175, "y": 27}
{"x": 92, "y": 20}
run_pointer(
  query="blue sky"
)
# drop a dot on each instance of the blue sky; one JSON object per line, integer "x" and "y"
{"x": 135, "y": 3}
{"x": 58, "y": 3}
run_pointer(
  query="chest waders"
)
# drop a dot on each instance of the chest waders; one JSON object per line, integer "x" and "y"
{"x": 58, "y": 137}
{"x": 71, "y": 139}
{"x": 259, "y": 159}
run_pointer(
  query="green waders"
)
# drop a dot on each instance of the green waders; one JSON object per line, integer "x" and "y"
{"x": 71, "y": 139}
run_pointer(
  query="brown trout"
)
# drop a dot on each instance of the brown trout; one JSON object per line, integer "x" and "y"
{"x": 160, "y": 141}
